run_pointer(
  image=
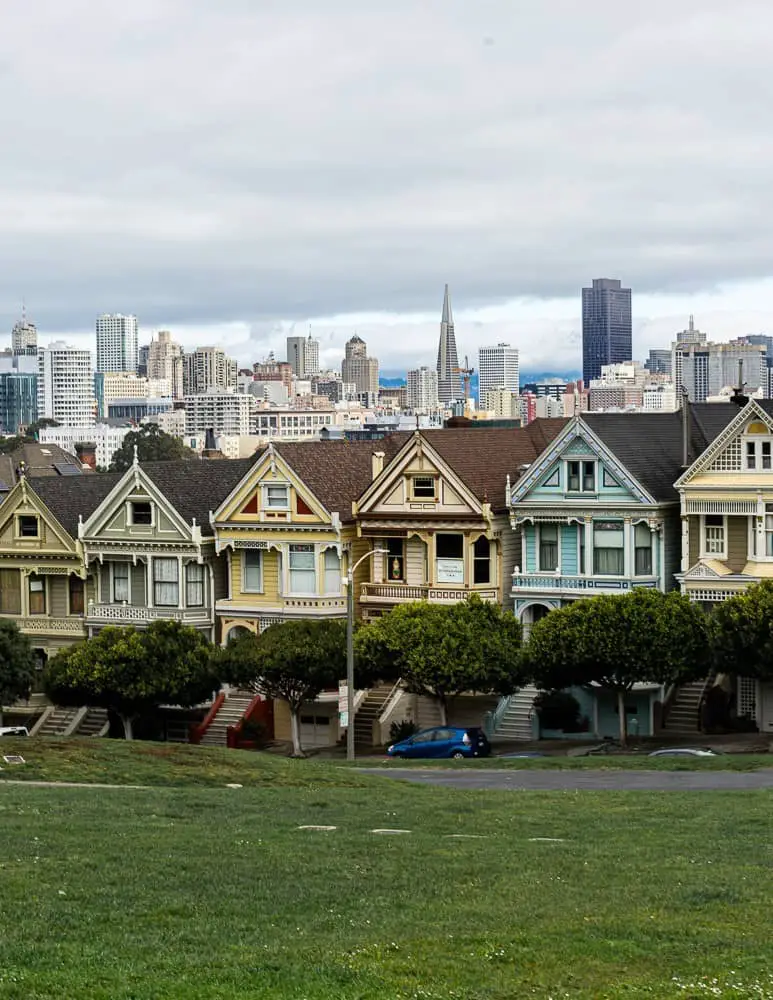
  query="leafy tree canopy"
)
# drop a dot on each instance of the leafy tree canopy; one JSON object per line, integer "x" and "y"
{"x": 129, "y": 671}
{"x": 444, "y": 650}
{"x": 743, "y": 634}
{"x": 293, "y": 661}
{"x": 153, "y": 445}
{"x": 17, "y": 664}
{"x": 616, "y": 641}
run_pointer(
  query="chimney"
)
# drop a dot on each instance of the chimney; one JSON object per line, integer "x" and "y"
{"x": 86, "y": 452}
{"x": 376, "y": 464}
{"x": 738, "y": 397}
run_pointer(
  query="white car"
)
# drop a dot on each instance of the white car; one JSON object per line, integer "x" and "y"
{"x": 14, "y": 731}
{"x": 684, "y": 752}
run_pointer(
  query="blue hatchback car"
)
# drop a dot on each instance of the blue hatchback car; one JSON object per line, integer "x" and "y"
{"x": 443, "y": 741}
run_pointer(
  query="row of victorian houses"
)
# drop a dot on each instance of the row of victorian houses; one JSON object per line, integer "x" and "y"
{"x": 531, "y": 518}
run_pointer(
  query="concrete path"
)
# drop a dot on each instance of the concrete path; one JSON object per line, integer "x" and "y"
{"x": 616, "y": 781}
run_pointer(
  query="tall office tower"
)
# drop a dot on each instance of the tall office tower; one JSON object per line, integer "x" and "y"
{"x": 358, "y": 368}
{"x": 66, "y": 385}
{"x": 24, "y": 337}
{"x": 143, "y": 352}
{"x": 303, "y": 356}
{"x": 498, "y": 369}
{"x": 607, "y": 326}
{"x": 18, "y": 401}
{"x": 659, "y": 362}
{"x": 116, "y": 343}
{"x": 449, "y": 384}
{"x": 685, "y": 341}
{"x": 422, "y": 389}
{"x": 706, "y": 369}
{"x": 165, "y": 361}
{"x": 208, "y": 368}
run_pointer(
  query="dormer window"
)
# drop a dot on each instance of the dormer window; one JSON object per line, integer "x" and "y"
{"x": 581, "y": 477}
{"x": 424, "y": 488}
{"x": 28, "y": 526}
{"x": 141, "y": 512}
{"x": 276, "y": 497}
{"x": 759, "y": 455}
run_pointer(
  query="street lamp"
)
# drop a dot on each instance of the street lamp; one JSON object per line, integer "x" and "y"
{"x": 349, "y": 581}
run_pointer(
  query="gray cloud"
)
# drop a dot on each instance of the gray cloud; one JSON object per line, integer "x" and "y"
{"x": 202, "y": 163}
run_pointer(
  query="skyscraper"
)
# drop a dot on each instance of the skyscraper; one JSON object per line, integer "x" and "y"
{"x": 498, "y": 368}
{"x": 449, "y": 385}
{"x": 208, "y": 368}
{"x": 116, "y": 343}
{"x": 24, "y": 337}
{"x": 165, "y": 360}
{"x": 303, "y": 356}
{"x": 66, "y": 385}
{"x": 422, "y": 389}
{"x": 607, "y": 326}
{"x": 358, "y": 368}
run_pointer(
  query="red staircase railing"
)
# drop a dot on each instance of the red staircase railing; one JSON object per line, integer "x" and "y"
{"x": 197, "y": 730}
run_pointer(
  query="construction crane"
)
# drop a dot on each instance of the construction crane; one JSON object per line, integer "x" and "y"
{"x": 466, "y": 374}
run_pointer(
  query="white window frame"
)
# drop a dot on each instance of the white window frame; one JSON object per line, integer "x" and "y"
{"x": 157, "y": 560}
{"x": 293, "y": 548}
{"x": 128, "y": 598}
{"x": 582, "y": 462}
{"x": 331, "y": 574}
{"x": 624, "y": 572}
{"x": 757, "y": 441}
{"x": 538, "y": 540}
{"x": 266, "y": 489}
{"x": 705, "y": 553}
{"x": 245, "y": 588}
{"x": 195, "y": 583}
{"x": 634, "y": 547}
{"x": 425, "y": 499}
{"x": 37, "y": 536}
{"x": 130, "y": 512}
{"x": 767, "y": 519}
{"x": 442, "y": 576}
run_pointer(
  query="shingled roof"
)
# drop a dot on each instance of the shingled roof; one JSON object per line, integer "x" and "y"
{"x": 650, "y": 445}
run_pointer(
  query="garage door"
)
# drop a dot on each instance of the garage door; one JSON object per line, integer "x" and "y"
{"x": 317, "y": 730}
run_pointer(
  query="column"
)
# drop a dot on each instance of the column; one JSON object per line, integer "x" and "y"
{"x": 180, "y": 583}
{"x": 628, "y": 548}
{"x": 685, "y": 543}
{"x": 149, "y": 581}
{"x": 588, "y": 528}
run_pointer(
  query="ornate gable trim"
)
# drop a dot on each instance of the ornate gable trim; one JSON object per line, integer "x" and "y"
{"x": 21, "y": 493}
{"x": 724, "y": 440}
{"x": 132, "y": 481}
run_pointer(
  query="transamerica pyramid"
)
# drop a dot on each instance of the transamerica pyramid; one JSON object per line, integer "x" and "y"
{"x": 447, "y": 361}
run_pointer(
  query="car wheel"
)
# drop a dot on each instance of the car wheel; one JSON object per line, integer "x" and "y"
{"x": 458, "y": 755}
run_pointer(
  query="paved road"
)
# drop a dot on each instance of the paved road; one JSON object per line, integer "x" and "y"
{"x": 618, "y": 781}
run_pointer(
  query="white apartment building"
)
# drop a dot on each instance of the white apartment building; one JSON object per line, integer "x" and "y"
{"x": 107, "y": 439}
{"x": 293, "y": 425}
{"x": 165, "y": 361}
{"x": 66, "y": 385}
{"x": 172, "y": 422}
{"x": 501, "y": 402}
{"x": 116, "y": 343}
{"x": 220, "y": 411}
{"x": 24, "y": 337}
{"x": 422, "y": 389}
{"x": 303, "y": 356}
{"x": 208, "y": 368}
{"x": 498, "y": 368}
{"x": 660, "y": 397}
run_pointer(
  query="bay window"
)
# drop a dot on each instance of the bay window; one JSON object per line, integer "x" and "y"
{"x": 642, "y": 544}
{"x": 449, "y": 558}
{"x": 481, "y": 561}
{"x": 547, "y": 547}
{"x": 303, "y": 571}
{"x": 332, "y": 572}
{"x": 608, "y": 548}
{"x": 194, "y": 585}
{"x": 252, "y": 571}
{"x": 166, "y": 583}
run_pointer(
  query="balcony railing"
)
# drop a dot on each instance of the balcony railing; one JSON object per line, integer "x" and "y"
{"x": 398, "y": 593}
{"x": 578, "y": 584}
{"x": 279, "y": 604}
{"x": 127, "y": 614}
{"x": 43, "y": 625}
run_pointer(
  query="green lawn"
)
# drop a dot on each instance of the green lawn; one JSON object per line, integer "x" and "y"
{"x": 175, "y": 893}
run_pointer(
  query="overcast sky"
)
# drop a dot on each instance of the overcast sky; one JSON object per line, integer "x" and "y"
{"x": 234, "y": 171}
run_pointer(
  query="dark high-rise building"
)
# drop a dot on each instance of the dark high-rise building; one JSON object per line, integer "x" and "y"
{"x": 607, "y": 326}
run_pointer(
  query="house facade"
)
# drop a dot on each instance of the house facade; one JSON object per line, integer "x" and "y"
{"x": 726, "y": 506}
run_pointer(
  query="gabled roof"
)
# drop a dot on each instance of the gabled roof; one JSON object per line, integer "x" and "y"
{"x": 483, "y": 458}
{"x": 739, "y": 415}
{"x": 71, "y": 496}
{"x": 650, "y": 445}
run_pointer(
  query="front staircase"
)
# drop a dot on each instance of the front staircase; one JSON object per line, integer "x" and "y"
{"x": 683, "y": 715}
{"x": 56, "y": 721}
{"x": 94, "y": 723}
{"x": 515, "y": 722}
{"x": 229, "y": 713}
{"x": 368, "y": 714}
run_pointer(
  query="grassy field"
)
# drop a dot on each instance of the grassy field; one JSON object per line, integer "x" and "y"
{"x": 186, "y": 893}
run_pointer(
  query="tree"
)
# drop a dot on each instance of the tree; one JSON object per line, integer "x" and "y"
{"x": 293, "y": 661}
{"x": 442, "y": 651}
{"x": 618, "y": 640}
{"x": 153, "y": 445}
{"x": 33, "y": 430}
{"x": 129, "y": 671}
{"x": 17, "y": 665}
{"x": 743, "y": 633}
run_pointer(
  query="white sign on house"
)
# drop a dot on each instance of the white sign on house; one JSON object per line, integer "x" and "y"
{"x": 450, "y": 571}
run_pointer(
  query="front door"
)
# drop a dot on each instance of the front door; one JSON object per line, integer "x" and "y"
{"x": 766, "y": 708}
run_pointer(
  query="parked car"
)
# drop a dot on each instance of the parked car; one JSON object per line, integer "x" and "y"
{"x": 443, "y": 741}
{"x": 684, "y": 752}
{"x": 14, "y": 731}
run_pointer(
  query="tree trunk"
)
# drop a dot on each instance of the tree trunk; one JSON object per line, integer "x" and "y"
{"x": 623, "y": 720}
{"x": 127, "y": 721}
{"x": 295, "y": 729}
{"x": 443, "y": 710}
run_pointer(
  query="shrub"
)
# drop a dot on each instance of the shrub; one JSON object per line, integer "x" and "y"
{"x": 558, "y": 710}
{"x": 402, "y": 730}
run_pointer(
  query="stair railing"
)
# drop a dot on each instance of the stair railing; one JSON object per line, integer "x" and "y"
{"x": 493, "y": 720}
{"x": 198, "y": 729}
